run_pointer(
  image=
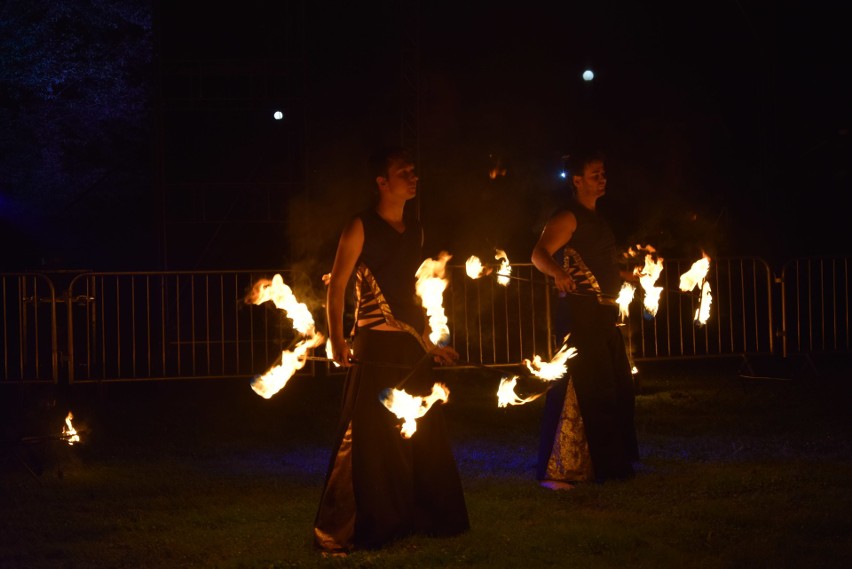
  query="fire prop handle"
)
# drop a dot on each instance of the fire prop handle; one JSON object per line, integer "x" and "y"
{"x": 43, "y": 438}
{"x": 460, "y": 363}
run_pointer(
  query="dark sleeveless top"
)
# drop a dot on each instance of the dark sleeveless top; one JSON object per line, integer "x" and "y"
{"x": 393, "y": 259}
{"x": 594, "y": 241}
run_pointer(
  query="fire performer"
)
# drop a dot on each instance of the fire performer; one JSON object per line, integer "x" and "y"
{"x": 381, "y": 486}
{"x": 587, "y": 431}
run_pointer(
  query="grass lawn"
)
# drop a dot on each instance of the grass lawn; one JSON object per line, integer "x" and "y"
{"x": 736, "y": 472}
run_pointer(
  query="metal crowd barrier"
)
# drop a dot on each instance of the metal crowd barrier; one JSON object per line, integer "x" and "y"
{"x": 28, "y": 335}
{"x": 128, "y": 326}
{"x": 496, "y": 324}
{"x": 173, "y": 325}
{"x": 741, "y": 321}
{"x": 815, "y": 295}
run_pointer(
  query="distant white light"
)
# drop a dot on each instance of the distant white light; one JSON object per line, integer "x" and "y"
{"x": 563, "y": 175}
{"x": 588, "y": 75}
{"x": 278, "y": 115}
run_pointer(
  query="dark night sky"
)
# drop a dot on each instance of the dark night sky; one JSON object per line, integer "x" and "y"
{"x": 725, "y": 124}
{"x": 711, "y": 115}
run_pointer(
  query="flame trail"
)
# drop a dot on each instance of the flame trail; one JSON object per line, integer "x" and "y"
{"x": 506, "y": 393}
{"x": 647, "y": 278}
{"x": 409, "y": 408}
{"x": 505, "y": 270}
{"x": 430, "y": 288}
{"x": 625, "y": 297}
{"x": 556, "y": 367}
{"x": 280, "y": 294}
{"x": 695, "y": 278}
{"x": 696, "y": 273}
{"x": 702, "y": 313}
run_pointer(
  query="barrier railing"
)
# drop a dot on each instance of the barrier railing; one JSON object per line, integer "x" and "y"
{"x": 172, "y": 325}
{"x": 495, "y": 324}
{"x": 740, "y": 322}
{"x": 28, "y": 330}
{"x": 815, "y": 295}
{"x": 128, "y": 326}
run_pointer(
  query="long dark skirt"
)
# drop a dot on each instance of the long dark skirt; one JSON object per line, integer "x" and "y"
{"x": 601, "y": 377}
{"x": 381, "y": 486}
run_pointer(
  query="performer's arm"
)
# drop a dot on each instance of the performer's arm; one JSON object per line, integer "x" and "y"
{"x": 348, "y": 250}
{"x": 556, "y": 234}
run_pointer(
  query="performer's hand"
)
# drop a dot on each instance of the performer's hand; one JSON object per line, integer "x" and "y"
{"x": 444, "y": 355}
{"x": 564, "y": 283}
{"x": 340, "y": 352}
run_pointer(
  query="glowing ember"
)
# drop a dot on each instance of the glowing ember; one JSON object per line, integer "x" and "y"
{"x": 280, "y": 294}
{"x": 506, "y": 393}
{"x": 625, "y": 297}
{"x": 505, "y": 270}
{"x": 430, "y": 288}
{"x": 409, "y": 408}
{"x": 695, "y": 278}
{"x": 648, "y": 276}
{"x": 69, "y": 433}
{"x": 555, "y": 368}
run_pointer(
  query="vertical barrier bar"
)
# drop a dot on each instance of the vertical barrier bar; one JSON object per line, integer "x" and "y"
{"x": 28, "y": 335}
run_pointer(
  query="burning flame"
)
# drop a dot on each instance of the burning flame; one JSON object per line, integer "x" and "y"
{"x": 695, "y": 278}
{"x": 474, "y": 267}
{"x": 409, "y": 408}
{"x": 328, "y": 352}
{"x": 505, "y": 270}
{"x": 280, "y": 294}
{"x": 648, "y": 276}
{"x": 625, "y": 297}
{"x": 702, "y": 313}
{"x": 555, "y": 368}
{"x": 696, "y": 273}
{"x": 430, "y": 288}
{"x": 506, "y": 393}
{"x": 69, "y": 433}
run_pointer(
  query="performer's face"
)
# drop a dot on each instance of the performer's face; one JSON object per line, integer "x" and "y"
{"x": 593, "y": 181}
{"x": 401, "y": 180}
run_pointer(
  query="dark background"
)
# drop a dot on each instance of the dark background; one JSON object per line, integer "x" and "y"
{"x": 138, "y": 135}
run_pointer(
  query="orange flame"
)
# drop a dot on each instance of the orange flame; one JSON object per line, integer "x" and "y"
{"x": 625, "y": 297}
{"x": 702, "y": 313}
{"x": 648, "y": 276}
{"x": 556, "y": 367}
{"x": 505, "y": 270}
{"x": 280, "y": 294}
{"x": 506, "y": 393}
{"x": 409, "y": 408}
{"x": 430, "y": 288}
{"x": 328, "y": 352}
{"x": 695, "y": 278}
{"x": 474, "y": 267}
{"x": 69, "y": 433}
{"x": 696, "y": 273}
